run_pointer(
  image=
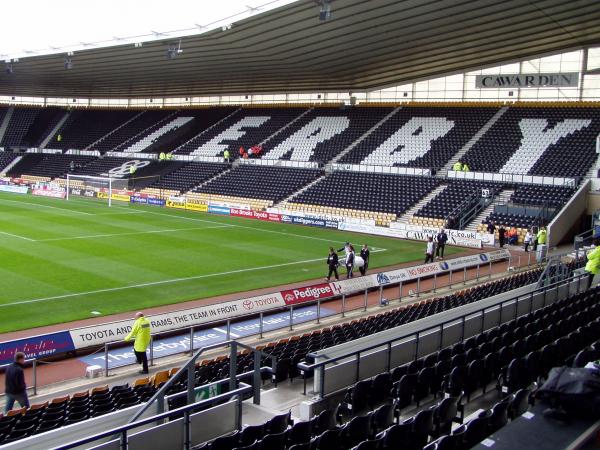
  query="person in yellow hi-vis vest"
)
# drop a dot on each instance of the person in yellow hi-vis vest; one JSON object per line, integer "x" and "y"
{"x": 465, "y": 167}
{"x": 592, "y": 267}
{"x": 141, "y": 333}
{"x": 457, "y": 167}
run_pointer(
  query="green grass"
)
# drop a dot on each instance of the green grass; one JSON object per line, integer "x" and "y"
{"x": 53, "y": 248}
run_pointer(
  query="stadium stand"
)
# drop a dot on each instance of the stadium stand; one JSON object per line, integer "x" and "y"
{"x": 244, "y": 127}
{"x": 265, "y": 184}
{"x": 446, "y": 202}
{"x": 323, "y": 133}
{"x": 20, "y": 121}
{"x": 544, "y": 140}
{"x": 185, "y": 177}
{"x": 424, "y": 137}
{"x": 366, "y": 194}
{"x": 84, "y": 127}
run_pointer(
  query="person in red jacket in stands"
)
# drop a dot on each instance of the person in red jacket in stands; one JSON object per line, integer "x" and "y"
{"x": 242, "y": 152}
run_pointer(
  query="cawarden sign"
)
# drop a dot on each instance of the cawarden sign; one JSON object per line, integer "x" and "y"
{"x": 538, "y": 80}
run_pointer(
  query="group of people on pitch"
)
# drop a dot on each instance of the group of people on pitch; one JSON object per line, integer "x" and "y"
{"x": 350, "y": 260}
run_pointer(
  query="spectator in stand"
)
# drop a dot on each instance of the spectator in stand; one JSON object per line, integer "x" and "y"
{"x": 226, "y": 155}
{"x": 429, "y": 250}
{"x": 542, "y": 236}
{"x": 15, "y": 386}
{"x": 162, "y": 156}
{"x": 457, "y": 167}
{"x": 592, "y": 267}
{"x": 513, "y": 236}
{"x": 441, "y": 240}
{"x": 350, "y": 263}
{"x": 258, "y": 150}
{"x": 527, "y": 240}
{"x": 465, "y": 167}
{"x": 364, "y": 254}
{"x": 170, "y": 156}
{"x": 332, "y": 263}
{"x": 141, "y": 335}
{"x": 72, "y": 165}
{"x": 501, "y": 236}
{"x": 491, "y": 227}
{"x": 242, "y": 152}
{"x": 250, "y": 152}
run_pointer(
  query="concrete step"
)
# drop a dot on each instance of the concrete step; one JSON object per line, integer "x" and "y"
{"x": 405, "y": 218}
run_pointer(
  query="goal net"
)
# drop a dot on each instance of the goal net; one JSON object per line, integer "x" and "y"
{"x": 102, "y": 188}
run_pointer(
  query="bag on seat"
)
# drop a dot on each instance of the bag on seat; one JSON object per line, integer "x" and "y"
{"x": 575, "y": 390}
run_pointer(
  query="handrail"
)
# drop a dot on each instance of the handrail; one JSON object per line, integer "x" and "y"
{"x": 189, "y": 367}
{"x": 307, "y": 367}
{"x": 186, "y": 410}
{"x": 33, "y": 362}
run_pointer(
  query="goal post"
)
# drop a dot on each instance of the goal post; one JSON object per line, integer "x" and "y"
{"x": 89, "y": 186}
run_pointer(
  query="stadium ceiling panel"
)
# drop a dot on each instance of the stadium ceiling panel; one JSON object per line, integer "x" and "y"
{"x": 365, "y": 45}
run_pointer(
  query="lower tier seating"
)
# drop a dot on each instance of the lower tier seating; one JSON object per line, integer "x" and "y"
{"x": 368, "y": 191}
{"x": 266, "y": 183}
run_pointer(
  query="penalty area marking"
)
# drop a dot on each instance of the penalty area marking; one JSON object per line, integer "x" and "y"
{"x": 157, "y": 283}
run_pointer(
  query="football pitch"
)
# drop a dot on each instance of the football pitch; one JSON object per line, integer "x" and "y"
{"x": 67, "y": 260}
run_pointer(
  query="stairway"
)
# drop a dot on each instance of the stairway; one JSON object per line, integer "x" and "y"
{"x": 57, "y": 127}
{"x": 285, "y": 127}
{"x": 5, "y": 122}
{"x": 409, "y": 214}
{"x": 364, "y": 136}
{"x": 443, "y": 172}
{"x": 500, "y": 199}
{"x": 282, "y": 203}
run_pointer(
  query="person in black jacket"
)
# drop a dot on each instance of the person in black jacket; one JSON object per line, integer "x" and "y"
{"x": 441, "y": 239}
{"x": 364, "y": 254}
{"x": 15, "y": 387}
{"x": 350, "y": 262}
{"x": 501, "y": 233}
{"x": 332, "y": 262}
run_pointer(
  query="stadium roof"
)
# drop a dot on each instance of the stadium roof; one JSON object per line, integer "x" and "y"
{"x": 367, "y": 44}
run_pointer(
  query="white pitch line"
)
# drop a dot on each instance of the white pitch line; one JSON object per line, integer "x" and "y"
{"x": 133, "y": 233}
{"x": 156, "y": 283}
{"x": 47, "y": 206}
{"x": 17, "y": 236}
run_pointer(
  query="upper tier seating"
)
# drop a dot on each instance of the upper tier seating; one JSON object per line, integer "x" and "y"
{"x": 84, "y": 127}
{"x": 174, "y": 130}
{"x": 19, "y": 124}
{"x": 127, "y": 132}
{"x": 424, "y": 137}
{"x": 268, "y": 183}
{"x": 368, "y": 191}
{"x": 549, "y": 141}
{"x": 42, "y": 126}
{"x": 453, "y": 196}
{"x": 245, "y": 128}
{"x": 187, "y": 176}
{"x": 542, "y": 195}
{"x": 323, "y": 133}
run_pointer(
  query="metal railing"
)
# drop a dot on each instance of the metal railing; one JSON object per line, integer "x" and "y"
{"x": 122, "y": 431}
{"x": 321, "y": 365}
{"x": 189, "y": 369}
